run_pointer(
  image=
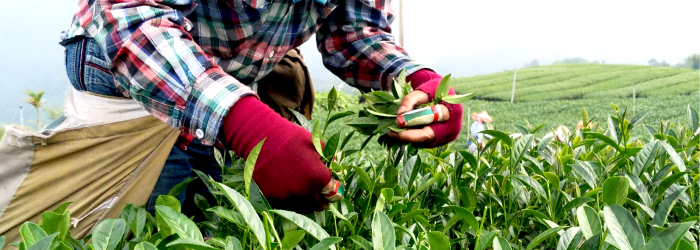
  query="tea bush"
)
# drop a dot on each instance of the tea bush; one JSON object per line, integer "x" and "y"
{"x": 595, "y": 188}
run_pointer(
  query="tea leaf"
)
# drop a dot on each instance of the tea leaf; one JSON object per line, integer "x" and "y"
{"x": 570, "y": 239}
{"x": 543, "y": 236}
{"x": 45, "y": 243}
{"x": 304, "y": 223}
{"x": 589, "y": 221}
{"x": 383, "y": 234}
{"x": 500, "y": 243}
{"x": 457, "y": 99}
{"x": 438, "y": 241}
{"x": 178, "y": 223}
{"x": 326, "y": 243}
{"x": 177, "y": 189}
{"x": 615, "y": 190}
{"x": 292, "y": 239}
{"x": 665, "y": 239}
{"x": 665, "y": 207}
{"x": 108, "y": 234}
{"x": 190, "y": 244}
{"x": 31, "y": 233}
{"x": 169, "y": 201}
{"x": 250, "y": 163}
{"x": 247, "y": 211}
{"x": 443, "y": 88}
{"x": 623, "y": 227}
{"x": 145, "y": 246}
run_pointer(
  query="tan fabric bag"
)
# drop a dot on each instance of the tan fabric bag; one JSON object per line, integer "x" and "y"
{"x": 107, "y": 152}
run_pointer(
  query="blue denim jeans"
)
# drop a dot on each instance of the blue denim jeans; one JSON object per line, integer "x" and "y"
{"x": 88, "y": 70}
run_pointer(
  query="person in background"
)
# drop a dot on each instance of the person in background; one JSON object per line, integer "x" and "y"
{"x": 199, "y": 66}
{"x": 478, "y": 126}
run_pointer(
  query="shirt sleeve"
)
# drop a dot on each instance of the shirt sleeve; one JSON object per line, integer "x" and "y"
{"x": 155, "y": 59}
{"x": 357, "y": 45}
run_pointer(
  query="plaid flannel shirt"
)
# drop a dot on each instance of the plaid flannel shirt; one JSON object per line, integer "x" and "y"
{"x": 187, "y": 62}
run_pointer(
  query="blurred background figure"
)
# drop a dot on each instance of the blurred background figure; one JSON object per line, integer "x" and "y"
{"x": 476, "y": 128}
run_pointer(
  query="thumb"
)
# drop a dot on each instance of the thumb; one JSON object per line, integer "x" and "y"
{"x": 414, "y": 98}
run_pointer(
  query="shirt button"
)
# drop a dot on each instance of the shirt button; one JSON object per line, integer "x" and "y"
{"x": 272, "y": 54}
{"x": 199, "y": 133}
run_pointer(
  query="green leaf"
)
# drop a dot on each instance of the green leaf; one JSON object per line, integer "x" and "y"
{"x": 543, "y": 236}
{"x": 177, "y": 189}
{"x": 668, "y": 181}
{"x": 577, "y": 202}
{"x": 229, "y": 215}
{"x": 108, "y": 234}
{"x": 665, "y": 207}
{"x": 607, "y": 140}
{"x": 62, "y": 208}
{"x": 438, "y": 241}
{"x": 410, "y": 215}
{"x": 45, "y": 243}
{"x": 409, "y": 171}
{"x": 257, "y": 198}
{"x": 485, "y": 239}
{"x": 364, "y": 177}
{"x": 331, "y": 146}
{"x": 56, "y": 223}
{"x": 645, "y": 157}
{"x": 232, "y": 243}
{"x": 2, "y": 242}
{"x": 692, "y": 118}
{"x": 615, "y": 190}
{"x": 169, "y": 201}
{"x": 532, "y": 183}
{"x": 457, "y": 99}
{"x": 675, "y": 158}
{"x": 639, "y": 187}
{"x": 326, "y": 243}
{"x": 443, "y": 88}
{"x": 304, "y": 223}
{"x": 426, "y": 185}
{"x": 250, "y": 163}
{"x": 337, "y": 116}
{"x": 316, "y": 138}
{"x": 500, "y": 135}
{"x": 31, "y": 233}
{"x": 570, "y": 239}
{"x": 639, "y": 117}
{"x": 589, "y": 221}
{"x": 190, "y": 244}
{"x": 499, "y": 243}
{"x": 383, "y": 233}
{"x": 301, "y": 119}
{"x": 379, "y": 97}
{"x": 592, "y": 243}
{"x": 361, "y": 242}
{"x": 467, "y": 216}
{"x": 667, "y": 238}
{"x": 145, "y": 246}
{"x": 62, "y": 246}
{"x": 247, "y": 211}
{"x": 137, "y": 220}
{"x": 623, "y": 227}
{"x": 178, "y": 223}
{"x": 292, "y": 239}
{"x": 521, "y": 147}
{"x": 332, "y": 98}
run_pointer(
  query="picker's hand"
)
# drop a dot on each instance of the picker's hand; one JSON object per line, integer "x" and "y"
{"x": 425, "y": 83}
{"x": 288, "y": 170}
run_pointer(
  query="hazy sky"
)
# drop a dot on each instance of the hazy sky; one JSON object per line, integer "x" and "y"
{"x": 461, "y": 37}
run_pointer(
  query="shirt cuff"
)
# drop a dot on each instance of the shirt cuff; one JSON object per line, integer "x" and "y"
{"x": 395, "y": 68}
{"x": 211, "y": 97}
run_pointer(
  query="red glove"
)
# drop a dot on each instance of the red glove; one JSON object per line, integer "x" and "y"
{"x": 288, "y": 171}
{"x": 445, "y": 132}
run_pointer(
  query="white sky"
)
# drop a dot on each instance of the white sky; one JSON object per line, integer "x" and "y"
{"x": 489, "y": 36}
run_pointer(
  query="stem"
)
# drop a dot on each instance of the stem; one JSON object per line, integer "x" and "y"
{"x": 272, "y": 227}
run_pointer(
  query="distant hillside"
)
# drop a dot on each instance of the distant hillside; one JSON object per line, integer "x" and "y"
{"x": 581, "y": 81}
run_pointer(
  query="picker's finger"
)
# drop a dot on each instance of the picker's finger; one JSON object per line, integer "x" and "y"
{"x": 442, "y": 117}
{"x": 419, "y": 136}
{"x": 414, "y": 98}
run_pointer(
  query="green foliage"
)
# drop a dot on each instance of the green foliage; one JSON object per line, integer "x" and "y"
{"x": 597, "y": 188}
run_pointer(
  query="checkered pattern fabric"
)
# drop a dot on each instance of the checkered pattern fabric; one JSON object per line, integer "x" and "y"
{"x": 189, "y": 61}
